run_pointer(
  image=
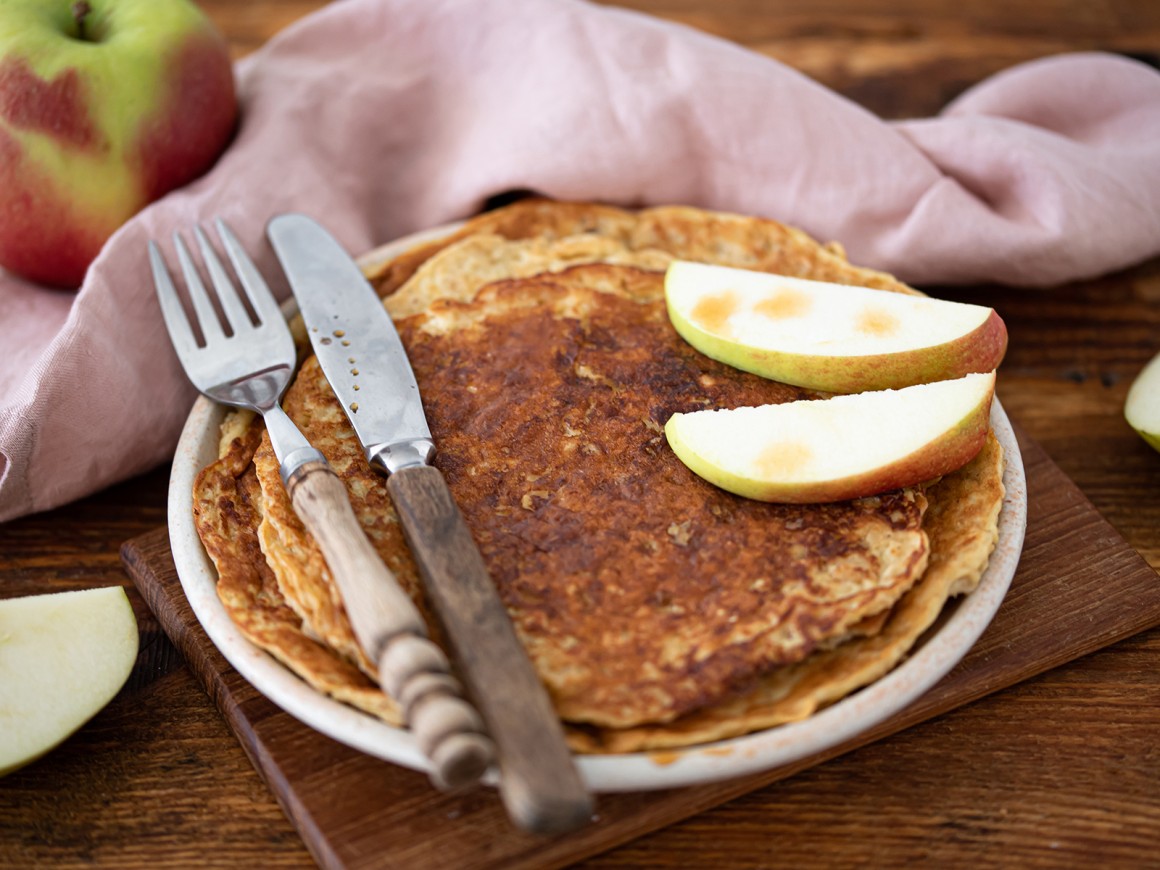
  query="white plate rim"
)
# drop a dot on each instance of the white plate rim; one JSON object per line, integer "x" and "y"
{"x": 642, "y": 771}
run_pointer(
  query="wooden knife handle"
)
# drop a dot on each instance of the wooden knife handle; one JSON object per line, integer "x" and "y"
{"x": 539, "y": 784}
{"x": 412, "y": 669}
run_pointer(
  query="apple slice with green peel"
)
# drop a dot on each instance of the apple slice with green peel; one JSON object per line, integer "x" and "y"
{"x": 830, "y": 337}
{"x": 1142, "y": 408}
{"x": 839, "y": 448}
{"x": 62, "y": 658}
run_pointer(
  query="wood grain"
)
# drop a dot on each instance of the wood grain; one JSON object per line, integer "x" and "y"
{"x": 1052, "y": 614}
{"x": 1058, "y": 771}
{"x": 908, "y": 58}
{"x": 391, "y": 631}
{"x": 539, "y": 784}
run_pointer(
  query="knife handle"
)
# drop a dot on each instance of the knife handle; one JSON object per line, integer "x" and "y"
{"x": 539, "y": 784}
{"x": 390, "y": 629}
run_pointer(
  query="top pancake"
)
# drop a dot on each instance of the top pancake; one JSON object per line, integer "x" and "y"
{"x": 640, "y": 591}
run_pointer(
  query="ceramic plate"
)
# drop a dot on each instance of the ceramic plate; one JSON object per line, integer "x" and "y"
{"x": 936, "y": 654}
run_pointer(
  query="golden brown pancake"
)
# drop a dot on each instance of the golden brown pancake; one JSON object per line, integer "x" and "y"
{"x": 640, "y": 591}
{"x": 688, "y": 233}
{"x": 962, "y": 523}
{"x": 458, "y": 271}
{"x": 644, "y": 595}
{"x": 227, "y": 512}
{"x": 303, "y": 577}
{"x": 542, "y": 219}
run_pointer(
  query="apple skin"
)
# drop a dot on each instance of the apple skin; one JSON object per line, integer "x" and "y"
{"x": 65, "y": 656}
{"x": 979, "y": 350}
{"x": 1142, "y": 406}
{"x": 957, "y": 442}
{"x": 93, "y": 129}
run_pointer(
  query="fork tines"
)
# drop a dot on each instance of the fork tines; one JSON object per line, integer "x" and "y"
{"x": 237, "y": 318}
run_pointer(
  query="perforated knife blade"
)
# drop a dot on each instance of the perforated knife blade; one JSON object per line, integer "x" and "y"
{"x": 356, "y": 344}
{"x": 364, "y": 360}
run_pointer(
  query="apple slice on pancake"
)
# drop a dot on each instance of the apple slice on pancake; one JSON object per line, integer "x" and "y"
{"x": 839, "y": 448}
{"x": 833, "y": 337}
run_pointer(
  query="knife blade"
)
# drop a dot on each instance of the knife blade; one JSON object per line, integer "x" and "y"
{"x": 364, "y": 360}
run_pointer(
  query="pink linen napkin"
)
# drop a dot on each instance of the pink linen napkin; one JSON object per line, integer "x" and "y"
{"x": 380, "y": 117}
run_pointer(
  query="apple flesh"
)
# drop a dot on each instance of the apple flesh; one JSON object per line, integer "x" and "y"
{"x": 1142, "y": 407}
{"x": 839, "y": 448}
{"x": 62, "y": 658}
{"x": 105, "y": 106}
{"x": 831, "y": 337}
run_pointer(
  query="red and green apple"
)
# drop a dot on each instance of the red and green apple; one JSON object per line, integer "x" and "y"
{"x": 105, "y": 106}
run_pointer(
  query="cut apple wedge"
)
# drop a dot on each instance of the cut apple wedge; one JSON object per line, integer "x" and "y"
{"x": 839, "y": 448}
{"x": 830, "y": 337}
{"x": 62, "y": 658}
{"x": 1142, "y": 407}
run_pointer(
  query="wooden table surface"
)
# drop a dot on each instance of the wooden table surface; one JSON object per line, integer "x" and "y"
{"x": 1063, "y": 770}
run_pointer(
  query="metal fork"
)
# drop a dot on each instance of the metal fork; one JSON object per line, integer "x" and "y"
{"x": 251, "y": 367}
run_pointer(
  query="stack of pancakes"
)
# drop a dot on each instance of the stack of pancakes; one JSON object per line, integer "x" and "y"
{"x": 658, "y": 610}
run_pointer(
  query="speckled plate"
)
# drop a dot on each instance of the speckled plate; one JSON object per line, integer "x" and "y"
{"x": 937, "y": 653}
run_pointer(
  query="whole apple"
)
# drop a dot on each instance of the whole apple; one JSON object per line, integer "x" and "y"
{"x": 105, "y": 105}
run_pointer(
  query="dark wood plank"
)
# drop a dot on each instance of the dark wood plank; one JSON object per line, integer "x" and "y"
{"x": 1042, "y": 775}
{"x": 1079, "y": 587}
{"x": 897, "y": 59}
{"x": 1073, "y": 353}
{"x": 903, "y": 60}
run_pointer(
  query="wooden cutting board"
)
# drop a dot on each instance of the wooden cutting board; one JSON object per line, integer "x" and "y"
{"x": 1079, "y": 587}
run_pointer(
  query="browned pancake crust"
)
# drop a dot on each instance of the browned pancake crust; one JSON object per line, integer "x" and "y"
{"x": 530, "y": 218}
{"x": 227, "y": 514}
{"x": 962, "y": 523}
{"x": 641, "y": 591}
{"x": 303, "y": 575}
{"x": 689, "y": 233}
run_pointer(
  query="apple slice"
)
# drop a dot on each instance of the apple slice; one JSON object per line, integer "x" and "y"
{"x": 838, "y": 448}
{"x": 62, "y": 658}
{"x": 830, "y": 337}
{"x": 1142, "y": 407}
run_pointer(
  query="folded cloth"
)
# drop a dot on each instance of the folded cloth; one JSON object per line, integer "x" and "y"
{"x": 380, "y": 117}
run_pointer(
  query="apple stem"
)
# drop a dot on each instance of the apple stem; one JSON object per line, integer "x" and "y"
{"x": 80, "y": 11}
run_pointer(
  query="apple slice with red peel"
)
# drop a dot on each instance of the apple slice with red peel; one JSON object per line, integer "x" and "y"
{"x": 62, "y": 658}
{"x": 839, "y": 448}
{"x": 831, "y": 337}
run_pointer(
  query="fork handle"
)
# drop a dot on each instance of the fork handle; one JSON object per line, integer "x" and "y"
{"x": 412, "y": 669}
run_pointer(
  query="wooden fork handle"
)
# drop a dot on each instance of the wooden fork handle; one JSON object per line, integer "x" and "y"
{"x": 539, "y": 784}
{"x": 412, "y": 669}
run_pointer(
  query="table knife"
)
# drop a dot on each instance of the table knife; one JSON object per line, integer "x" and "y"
{"x": 538, "y": 781}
